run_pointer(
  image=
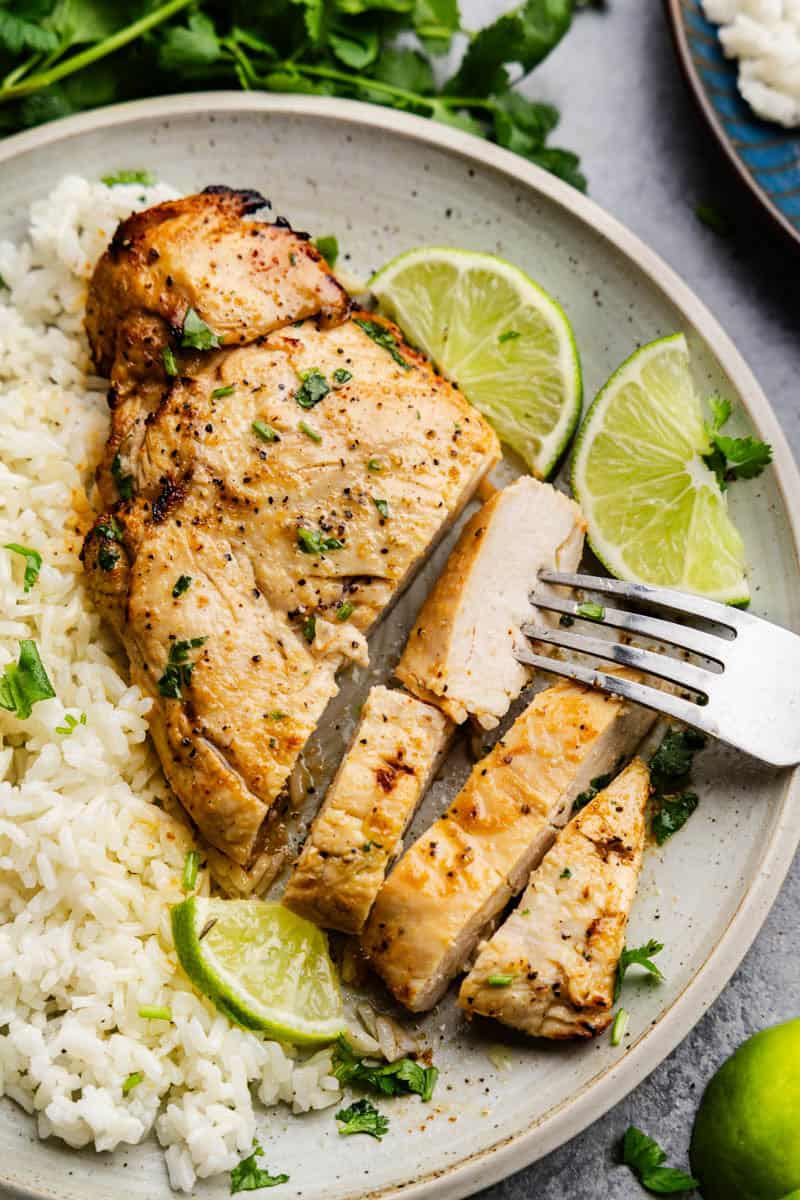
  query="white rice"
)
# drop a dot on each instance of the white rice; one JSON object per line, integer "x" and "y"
{"x": 88, "y": 862}
{"x": 764, "y": 35}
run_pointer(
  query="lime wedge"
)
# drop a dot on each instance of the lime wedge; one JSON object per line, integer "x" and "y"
{"x": 654, "y": 509}
{"x": 499, "y": 336}
{"x": 262, "y": 966}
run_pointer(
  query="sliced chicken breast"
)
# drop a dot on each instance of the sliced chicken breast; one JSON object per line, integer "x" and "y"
{"x": 450, "y": 886}
{"x": 383, "y": 776}
{"x": 550, "y": 969}
{"x": 460, "y": 654}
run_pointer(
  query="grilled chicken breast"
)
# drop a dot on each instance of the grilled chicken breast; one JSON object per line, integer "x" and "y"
{"x": 550, "y": 969}
{"x": 453, "y": 882}
{"x": 394, "y": 754}
{"x": 243, "y": 278}
{"x": 277, "y": 497}
{"x": 460, "y": 654}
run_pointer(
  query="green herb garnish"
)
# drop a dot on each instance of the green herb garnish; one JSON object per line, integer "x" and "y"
{"x": 566, "y": 874}
{"x": 264, "y": 431}
{"x": 70, "y": 723}
{"x": 344, "y": 611}
{"x": 362, "y": 1117}
{"x": 381, "y": 505}
{"x": 196, "y": 334}
{"x": 182, "y": 584}
{"x": 219, "y": 392}
{"x": 33, "y": 563}
{"x": 374, "y": 464}
{"x": 25, "y": 682}
{"x": 673, "y": 759}
{"x": 191, "y": 866}
{"x": 508, "y": 336}
{"x": 133, "y": 1080}
{"x": 313, "y": 389}
{"x": 392, "y": 1079}
{"x": 590, "y": 611}
{"x": 642, "y": 956}
{"x": 672, "y": 814}
{"x": 645, "y": 1158}
{"x": 384, "y": 338}
{"x": 170, "y": 362}
{"x": 328, "y": 247}
{"x": 145, "y": 178}
{"x": 249, "y": 1177}
{"x": 732, "y": 458}
{"x": 178, "y": 671}
{"x": 309, "y": 431}
{"x": 123, "y": 482}
{"x": 310, "y": 629}
{"x": 499, "y": 980}
{"x": 155, "y": 1012}
{"x": 311, "y": 541}
{"x": 595, "y": 786}
{"x": 107, "y": 559}
{"x": 341, "y": 375}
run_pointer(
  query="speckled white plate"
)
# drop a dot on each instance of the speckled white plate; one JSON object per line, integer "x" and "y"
{"x": 385, "y": 182}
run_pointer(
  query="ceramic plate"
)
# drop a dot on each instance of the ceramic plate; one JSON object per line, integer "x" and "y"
{"x": 766, "y": 156}
{"x": 385, "y": 182}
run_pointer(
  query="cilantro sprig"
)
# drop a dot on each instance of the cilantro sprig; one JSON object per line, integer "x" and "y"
{"x": 362, "y": 1117}
{"x": 640, "y": 956}
{"x": 25, "y": 682}
{"x": 732, "y": 458}
{"x": 57, "y": 61}
{"x": 645, "y": 1158}
{"x": 248, "y": 1176}
{"x": 387, "y": 1079}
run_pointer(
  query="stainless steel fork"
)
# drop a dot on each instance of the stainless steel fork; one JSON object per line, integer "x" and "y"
{"x": 751, "y": 700}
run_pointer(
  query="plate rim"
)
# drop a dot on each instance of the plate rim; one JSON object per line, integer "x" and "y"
{"x": 598, "y": 1095}
{"x": 677, "y": 26}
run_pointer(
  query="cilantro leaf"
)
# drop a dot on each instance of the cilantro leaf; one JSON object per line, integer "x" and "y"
{"x": 732, "y": 457}
{"x": 189, "y": 50}
{"x": 525, "y": 35}
{"x": 405, "y": 68}
{"x": 314, "y": 387}
{"x": 384, "y": 338}
{"x": 25, "y": 682}
{"x": 124, "y": 482}
{"x": 33, "y": 563}
{"x": 355, "y": 46}
{"x": 19, "y": 33}
{"x": 672, "y": 814}
{"x": 673, "y": 759}
{"x": 645, "y": 1158}
{"x": 328, "y": 247}
{"x": 435, "y": 22}
{"x": 311, "y": 541}
{"x": 197, "y": 334}
{"x": 362, "y": 1117}
{"x": 179, "y": 668}
{"x": 388, "y": 1079}
{"x": 641, "y": 956}
{"x": 249, "y": 1177}
{"x": 596, "y": 785}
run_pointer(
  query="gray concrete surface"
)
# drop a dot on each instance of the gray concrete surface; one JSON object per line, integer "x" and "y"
{"x": 650, "y": 160}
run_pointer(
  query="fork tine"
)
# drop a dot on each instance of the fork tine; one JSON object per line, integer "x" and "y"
{"x": 662, "y": 665}
{"x": 682, "y": 602}
{"x": 687, "y": 637}
{"x": 637, "y": 693}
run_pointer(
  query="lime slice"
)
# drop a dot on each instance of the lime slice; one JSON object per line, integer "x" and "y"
{"x": 262, "y": 966}
{"x": 654, "y": 509}
{"x": 499, "y": 336}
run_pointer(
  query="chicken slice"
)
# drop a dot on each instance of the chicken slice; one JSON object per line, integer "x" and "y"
{"x": 243, "y": 278}
{"x": 383, "y": 776}
{"x": 450, "y": 886}
{"x": 550, "y": 969}
{"x": 460, "y": 654}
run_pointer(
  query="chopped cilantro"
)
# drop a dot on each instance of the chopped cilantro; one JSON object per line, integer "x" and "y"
{"x": 25, "y": 682}
{"x": 645, "y": 1158}
{"x": 508, "y": 336}
{"x": 311, "y": 541}
{"x": 374, "y": 464}
{"x": 566, "y": 874}
{"x": 314, "y": 388}
{"x": 170, "y": 363}
{"x": 362, "y": 1117}
{"x": 191, "y": 866}
{"x": 344, "y": 611}
{"x": 178, "y": 671}
{"x": 264, "y": 431}
{"x": 328, "y": 247}
{"x": 390, "y": 1079}
{"x": 133, "y": 1080}
{"x": 341, "y": 375}
{"x": 381, "y": 505}
{"x": 196, "y": 334}
{"x": 33, "y": 563}
{"x": 672, "y": 760}
{"x": 107, "y": 559}
{"x": 590, "y": 611}
{"x": 596, "y": 785}
{"x": 219, "y": 392}
{"x": 144, "y": 178}
{"x": 384, "y": 338}
{"x": 310, "y": 629}
{"x": 124, "y": 482}
{"x": 642, "y": 956}
{"x": 247, "y": 1176}
{"x": 672, "y": 814}
{"x": 182, "y": 584}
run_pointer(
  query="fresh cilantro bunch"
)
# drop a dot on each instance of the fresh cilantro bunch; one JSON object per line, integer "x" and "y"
{"x": 63, "y": 56}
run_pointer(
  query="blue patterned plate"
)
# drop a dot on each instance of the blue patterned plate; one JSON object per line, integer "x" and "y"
{"x": 766, "y": 156}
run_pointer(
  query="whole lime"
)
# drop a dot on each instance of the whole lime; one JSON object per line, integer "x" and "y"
{"x": 745, "y": 1143}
